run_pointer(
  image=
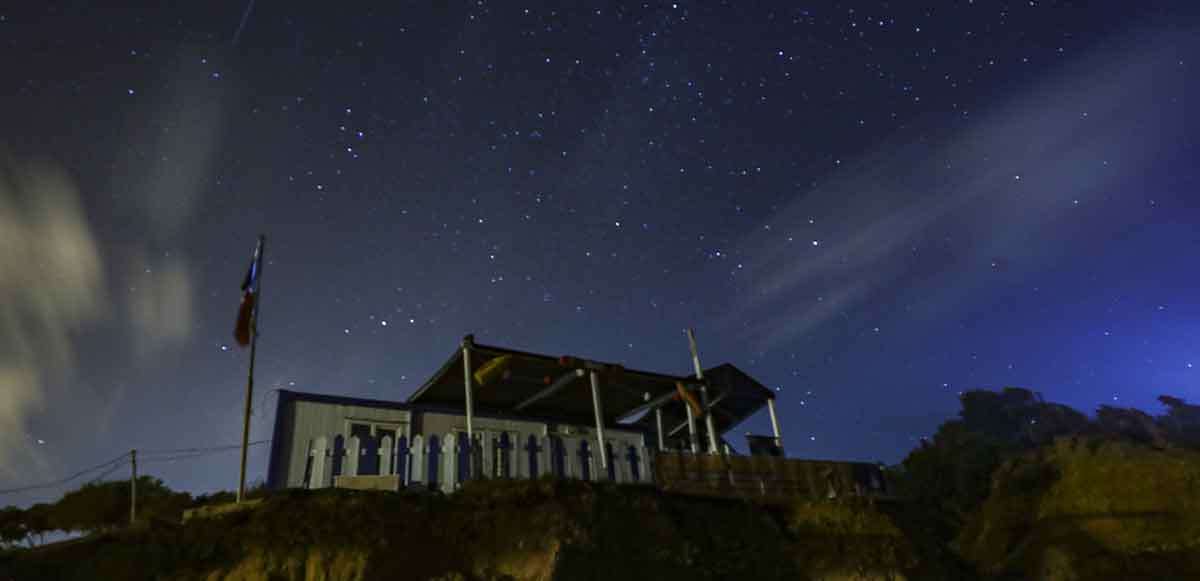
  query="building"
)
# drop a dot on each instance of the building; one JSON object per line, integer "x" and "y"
{"x": 494, "y": 412}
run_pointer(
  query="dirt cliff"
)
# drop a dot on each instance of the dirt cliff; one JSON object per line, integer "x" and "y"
{"x": 538, "y": 530}
{"x": 1090, "y": 508}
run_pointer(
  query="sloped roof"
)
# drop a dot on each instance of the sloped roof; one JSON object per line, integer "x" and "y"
{"x": 737, "y": 395}
{"x": 622, "y": 391}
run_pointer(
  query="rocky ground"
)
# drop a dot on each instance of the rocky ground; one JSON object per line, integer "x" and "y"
{"x": 1090, "y": 509}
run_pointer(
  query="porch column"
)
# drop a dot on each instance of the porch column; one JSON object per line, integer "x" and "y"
{"x": 597, "y": 406}
{"x": 662, "y": 446}
{"x": 657, "y": 421}
{"x": 691, "y": 422}
{"x": 708, "y": 418}
{"x": 774, "y": 423}
{"x": 467, "y": 342}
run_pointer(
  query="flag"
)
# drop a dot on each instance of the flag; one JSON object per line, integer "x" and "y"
{"x": 245, "y": 318}
{"x": 492, "y": 370}
{"x": 681, "y": 393}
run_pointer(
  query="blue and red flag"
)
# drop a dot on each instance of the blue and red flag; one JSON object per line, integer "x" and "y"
{"x": 245, "y": 319}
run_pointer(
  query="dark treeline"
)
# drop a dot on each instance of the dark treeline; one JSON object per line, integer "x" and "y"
{"x": 99, "y": 507}
{"x": 949, "y": 475}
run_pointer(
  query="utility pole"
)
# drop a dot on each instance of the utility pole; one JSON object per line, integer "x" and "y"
{"x": 133, "y": 487}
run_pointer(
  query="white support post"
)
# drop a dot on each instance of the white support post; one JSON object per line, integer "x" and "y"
{"x": 319, "y": 453}
{"x": 417, "y": 457}
{"x": 691, "y": 423}
{"x": 599, "y": 409}
{"x": 386, "y": 455}
{"x": 486, "y": 453}
{"x": 449, "y": 472}
{"x": 657, "y": 421}
{"x": 774, "y": 423}
{"x": 708, "y": 417}
{"x": 708, "y": 421}
{"x": 353, "y": 450}
{"x": 466, "y": 353}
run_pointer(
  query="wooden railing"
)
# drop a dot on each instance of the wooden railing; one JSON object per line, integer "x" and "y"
{"x": 767, "y": 478}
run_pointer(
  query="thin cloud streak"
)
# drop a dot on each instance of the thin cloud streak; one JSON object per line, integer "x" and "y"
{"x": 1018, "y": 185}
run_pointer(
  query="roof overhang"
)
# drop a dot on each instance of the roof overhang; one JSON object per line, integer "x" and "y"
{"x": 559, "y": 388}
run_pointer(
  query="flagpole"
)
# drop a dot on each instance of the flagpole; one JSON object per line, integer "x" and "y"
{"x": 262, "y": 243}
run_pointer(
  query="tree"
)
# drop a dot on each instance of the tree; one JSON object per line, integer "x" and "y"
{"x": 38, "y": 522}
{"x": 1054, "y": 420}
{"x": 157, "y": 502}
{"x": 953, "y": 471}
{"x": 1182, "y": 422}
{"x": 94, "y": 507}
{"x": 1004, "y": 417}
{"x": 103, "y": 506}
{"x": 1131, "y": 424}
{"x": 13, "y": 526}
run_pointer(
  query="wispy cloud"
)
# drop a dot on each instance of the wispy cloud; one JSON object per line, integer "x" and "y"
{"x": 70, "y": 280}
{"x": 52, "y": 287}
{"x": 160, "y": 176}
{"x": 1018, "y": 185}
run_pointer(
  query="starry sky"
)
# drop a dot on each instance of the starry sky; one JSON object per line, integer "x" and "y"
{"x": 869, "y": 206}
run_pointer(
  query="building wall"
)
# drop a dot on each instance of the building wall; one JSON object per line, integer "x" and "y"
{"x": 306, "y": 421}
{"x": 310, "y": 420}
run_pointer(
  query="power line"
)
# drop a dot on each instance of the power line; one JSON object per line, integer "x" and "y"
{"x": 119, "y": 461}
{"x": 199, "y": 452}
{"x": 107, "y": 472}
{"x": 194, "y": 450}
{"x": 65, "y": 480}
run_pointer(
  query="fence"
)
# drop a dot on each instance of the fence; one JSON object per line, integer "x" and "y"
{"x": 767, "y": 477}
{"x": 444, "y": 461}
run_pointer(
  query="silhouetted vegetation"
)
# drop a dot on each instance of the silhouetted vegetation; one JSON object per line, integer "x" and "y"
{"x": 98, "y": 507}
{"x": 950, "y": 475}
{"x": 491, "y": 530}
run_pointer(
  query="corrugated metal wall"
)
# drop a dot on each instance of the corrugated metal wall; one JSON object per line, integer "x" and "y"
{"x": 309, "y": 420}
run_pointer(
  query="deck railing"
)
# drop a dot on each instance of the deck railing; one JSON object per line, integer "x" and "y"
{"x": 767, "y": 477}
{"x": 445, "y": 461}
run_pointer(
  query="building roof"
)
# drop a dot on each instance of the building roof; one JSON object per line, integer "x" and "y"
{"x": 737, "y": 395}
{"x": 623, "y": 392}
{"x": 287, "y": 397}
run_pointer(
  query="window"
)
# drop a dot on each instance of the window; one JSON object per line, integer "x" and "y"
{"x": 377, "y": 430}
{"x": 370, "y": 436}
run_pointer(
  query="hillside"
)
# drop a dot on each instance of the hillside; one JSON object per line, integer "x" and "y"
{"x": 1090, "y": 508}
{"x": 1086, "y": 508}
{"x": 491, "y": 530}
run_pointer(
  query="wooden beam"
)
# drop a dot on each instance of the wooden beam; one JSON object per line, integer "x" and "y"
{"x": 562, "y": 381}
{"x": 709, "y": 410}
{"x": 652, "y": 404}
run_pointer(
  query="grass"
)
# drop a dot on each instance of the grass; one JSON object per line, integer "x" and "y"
{"x": 542, "y": 529}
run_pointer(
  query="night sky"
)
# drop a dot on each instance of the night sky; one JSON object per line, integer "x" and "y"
{"x": 869, "y": 206}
